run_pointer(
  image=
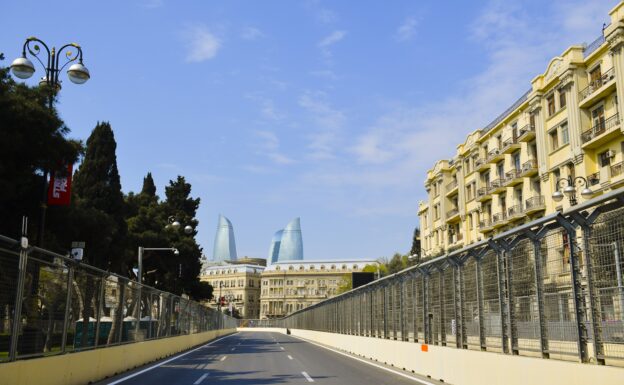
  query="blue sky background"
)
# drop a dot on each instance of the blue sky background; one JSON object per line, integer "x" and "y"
{"x": 327, "y": 110}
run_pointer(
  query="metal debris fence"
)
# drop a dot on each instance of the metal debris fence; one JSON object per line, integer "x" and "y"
{"x": 551, "y": 288}
{"x": 52, "y": 294}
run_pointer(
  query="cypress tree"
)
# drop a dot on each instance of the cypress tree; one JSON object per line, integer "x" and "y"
{"x": 149, "y": 188}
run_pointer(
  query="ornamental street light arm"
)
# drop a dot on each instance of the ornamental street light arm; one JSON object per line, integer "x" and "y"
{"x": 569, "y": 186}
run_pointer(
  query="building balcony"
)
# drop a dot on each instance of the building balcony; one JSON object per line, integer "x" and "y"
{"x": 496, "y": 186}
{"x": 485, "y": 225}
{"x": 617, "y": 169}
{"x": 513, "y": 177}
{"x": 510, "y": 145}
{"x": 529, "y": 168}
{"x": 526, "y": 133}
{"x": 481, "y": 164}
{"x": 452, "y": 215}
{"x": 483, "y": 195}
{"x": 597, "y": 88}
{"x": 593, "y": 179}
{"x": 451, "y": 188}
{"x": 535, "y": 204}
{"x": 515, "y": 212}
{"x": 499, "y": 219}
{"x": 495, "y": 155}
{"x": 602, "y": 132}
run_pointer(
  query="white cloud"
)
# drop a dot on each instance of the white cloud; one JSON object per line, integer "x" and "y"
{"x": 268, "y": 110}
{"x": 330, "y": 40}
{"x": 269, "y": 146}
{"x": 251, "y": 33}
{"x": 329, "y": 123}
{"x": 201, "y": 44}
{"x": 407, "y": 30}
{"x": 151, "y": 4}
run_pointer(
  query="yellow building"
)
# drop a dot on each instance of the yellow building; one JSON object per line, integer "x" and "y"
{"x": 294, "y": 285}
{"x": 567, "y": 125}
{"x": 238, "y": 283}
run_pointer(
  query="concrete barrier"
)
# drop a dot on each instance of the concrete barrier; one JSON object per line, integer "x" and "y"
{"x": 466, "y": 367}
{"x": 97, "y": 364}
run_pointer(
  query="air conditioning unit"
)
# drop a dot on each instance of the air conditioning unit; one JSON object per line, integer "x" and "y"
{"x": 610, "y": 154}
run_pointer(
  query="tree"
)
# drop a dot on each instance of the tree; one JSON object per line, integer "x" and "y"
{"x": 345, "y": 284}
{"x": 97, "y": 187}
{"x": 415, "y": 250}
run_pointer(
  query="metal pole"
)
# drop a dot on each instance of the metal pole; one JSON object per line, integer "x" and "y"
{"x": 539, "y": 293}
{"x": 19, "y": 298}
{"x": 480, "y": 305}
{"x": 442, "y": 313}
{"x": 68, "y": 298}
{"x": 98, "y": 313}
{"x": 140, "y": 265}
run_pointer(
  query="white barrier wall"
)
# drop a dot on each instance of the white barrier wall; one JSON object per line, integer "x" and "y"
{"x": 467, "y": 367}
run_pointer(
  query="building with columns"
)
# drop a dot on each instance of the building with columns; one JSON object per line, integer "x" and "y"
{"x": 567, "y": 125}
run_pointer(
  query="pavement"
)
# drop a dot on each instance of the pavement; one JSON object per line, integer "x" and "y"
{"x": 258, "y": 358}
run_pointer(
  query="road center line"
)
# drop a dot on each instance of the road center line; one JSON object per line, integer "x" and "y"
{"x": 307, "y": 376}
{"x": 281, "y": 347}
{"x": 290, "y": 357}
{"x": 167, "y": 361}
{"x": 223, "y": 358}
{"x": 200, "y": 379}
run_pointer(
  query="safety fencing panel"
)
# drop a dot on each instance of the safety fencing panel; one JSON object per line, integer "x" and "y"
{"x": 51, "y": 304}
{"x": 553, "y": 288}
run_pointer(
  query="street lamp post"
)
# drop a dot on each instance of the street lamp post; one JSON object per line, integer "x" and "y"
{"x": 23, "y": 68}
{"x": 569, "y": 189}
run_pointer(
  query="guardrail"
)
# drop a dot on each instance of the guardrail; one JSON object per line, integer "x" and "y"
{"x": 45, "y": 296}
{"x": 551, "y": 287}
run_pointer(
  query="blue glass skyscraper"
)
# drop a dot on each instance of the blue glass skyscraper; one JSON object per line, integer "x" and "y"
{"x": 287, "y": 244}
{"x": 224, "y": 245}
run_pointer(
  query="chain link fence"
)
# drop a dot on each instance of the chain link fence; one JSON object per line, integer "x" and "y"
{"x": 50, "y": 304}
{"x": 551, "y": 288}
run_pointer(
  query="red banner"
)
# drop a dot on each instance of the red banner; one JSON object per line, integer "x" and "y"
{"x": 59, "y": 190}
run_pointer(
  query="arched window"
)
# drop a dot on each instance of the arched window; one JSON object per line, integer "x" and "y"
{"x": 322, "y": 267}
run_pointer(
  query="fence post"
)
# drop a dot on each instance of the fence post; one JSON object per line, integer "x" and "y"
{"x": 442, "y": 312}
{"x": 594, "y": 310}
{"x": 122, "y": 299}
{"x": 385, "y": 310}
{"x": 401, "y": 308}
{"x": 480, "y": 305}
{"x": 577, "y": 289}
{"x": 457, "y": 310}
{"x": 415, "y": 306}
{"x": 68, "y": 298}
{"x": 98, "y": 312}
{"x": 19, "y": 299}
{"x": 501, "y": 272}
{"x": 425, "y": 300}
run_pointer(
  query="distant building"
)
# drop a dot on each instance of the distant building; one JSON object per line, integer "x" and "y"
{"x": 287, "y": 244}
{"x": 224, "y": 245}
{"x": 239, "y": 284}
{"x": 294, "y": 285}
{"x": 250, "y": 261}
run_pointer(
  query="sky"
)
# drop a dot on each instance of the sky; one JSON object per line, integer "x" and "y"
{"x": 332, "y": 111}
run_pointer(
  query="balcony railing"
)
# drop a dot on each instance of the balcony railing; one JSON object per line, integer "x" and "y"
{"x": 528, "y": 167}
{"x": 452, "y": 213}
{"x": 480, "y": 162}
{"x": 593, "y": 179}
{"x": 493, "y": 155}
{"x": 499, "y": 218}
{"x": 512, "y": 176}
{"x": 535, "y": 203}
{"x": 451, "y": 186}
{"x": 601, "y": 128}
{"x": 594, "y": 85}
{"x": 496, "y": 185}
{"x": 515, "y": 211}
{"x": 617, "y": 169}
{"x": 510, "y": 144}
{"x": 485, "y": 224}
{"x": 525, "y": 132}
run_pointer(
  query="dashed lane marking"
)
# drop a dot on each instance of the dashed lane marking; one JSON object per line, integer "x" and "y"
{"x": 290, "y": 357}
{"x": 200, "y": 379}
{"x": 223, "y": 358}
{"x": 307, "y": 376}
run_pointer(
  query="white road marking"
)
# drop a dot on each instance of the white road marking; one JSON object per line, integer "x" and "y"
{"x": 367, "y": 362}
{"x": 166, "y": 361}
{"x": 281, "y": 347}
{"x": 200, "y": 379}
{"x": 307, "y": 376}
{"x": 223, "y": 358}
{"x": 290, "y": 357}
{"x": 233, "y": 349}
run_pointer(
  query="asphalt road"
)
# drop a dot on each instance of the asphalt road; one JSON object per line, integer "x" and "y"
{"x": 259, "y": 358}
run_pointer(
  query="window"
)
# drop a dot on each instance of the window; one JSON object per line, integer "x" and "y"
{"x": 603, "y": 159}
{"x": 551, "y": 104}
{"x": 500, "y": 169}
{"x": 565, "y": 137}
{"x": 594, "y": 76}
{"x": 554, "y": 140}
{"x": 469, "y": 192}
{"x": 516, "y": 160}
{"x": 562, "y": 98}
